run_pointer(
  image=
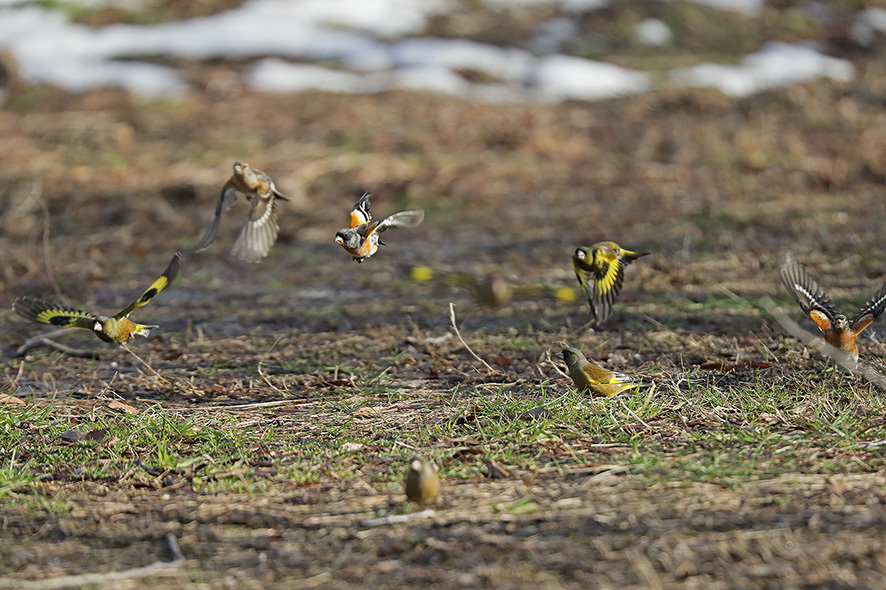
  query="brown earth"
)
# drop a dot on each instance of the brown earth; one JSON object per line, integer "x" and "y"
{"x": 715, "y": 188}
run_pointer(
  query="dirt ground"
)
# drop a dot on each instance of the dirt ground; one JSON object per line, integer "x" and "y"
{"x": 97, "y": 191}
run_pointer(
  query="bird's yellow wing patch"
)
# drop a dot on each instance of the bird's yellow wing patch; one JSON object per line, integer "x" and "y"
{"x": 607, "y": 268}
{"x": 161, "y": 283}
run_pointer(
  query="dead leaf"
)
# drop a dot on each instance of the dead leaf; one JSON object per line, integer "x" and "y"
{"x": 365, "y": 411}
{"x": 10, "y": 400}
{"x": 72, "y": 436}
{"x": 97, "y": 435}
{"x": 115, "y": 405}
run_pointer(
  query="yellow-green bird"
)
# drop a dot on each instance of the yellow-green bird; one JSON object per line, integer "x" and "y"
{"x": 118, "y": 328}
{"x": 600, "y": 270}
{"x": 422, "y": 484}
{"x": 592, "y": 378}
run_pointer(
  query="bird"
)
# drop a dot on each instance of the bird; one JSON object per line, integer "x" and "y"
{"x": 592, "y": 378}
{"x": 361, "y": 238}
{"x": 259, "y": 231}
{"x": 838, "y": 330}
{"x": 600, "y": 270}
{"x": 117, "y": 328}
{"x": 422, "y": 484}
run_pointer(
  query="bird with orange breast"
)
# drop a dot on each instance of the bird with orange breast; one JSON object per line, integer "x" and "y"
{"x": 838, "y": 330}
{"x": 361, "y": 238}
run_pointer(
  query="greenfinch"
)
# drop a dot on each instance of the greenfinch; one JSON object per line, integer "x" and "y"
{"x": 600, "y": 270}
{"x": 592, "y": 378}
{"x": 361, "y": 238}
{"x": 118, "y": 328}
{"x": 838, "y": 330}
{"x": 422, "y": 484}
{"x": 259, "y": 231}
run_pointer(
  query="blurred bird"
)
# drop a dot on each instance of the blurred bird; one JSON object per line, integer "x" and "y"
{"x": 259, "y": 231}
{"x": 361, "y": 237}
{"x": 593, "y": 378}
{"x": 837, "y": 329}
{"x": 118, "y": 328}
{"x": 422, "y": 484}
{"x": 600, "y": 270}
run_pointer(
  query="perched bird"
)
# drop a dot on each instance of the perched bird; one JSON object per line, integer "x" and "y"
{"x": 838, "y": 330}
{"x": 422, "y": 484}
{"x": 593, "y": 378}
{"x": 259, "y": 231}
{"x": 361, "y": 238}
{"x": 600, "y": 270}
{"x": 118, "y": 328}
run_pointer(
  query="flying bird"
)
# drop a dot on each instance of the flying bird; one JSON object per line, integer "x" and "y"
{"x": 117, "y": 328}
{"x": 259, "y": 231}
{"x": 361, "y": 238}
{"x": 838, "y": 330}
{"x": 600, "y": 271}
{"x": 592, "y": 378}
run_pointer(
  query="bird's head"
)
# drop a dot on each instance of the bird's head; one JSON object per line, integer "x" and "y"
{"x": 572, "y": 355}
{"x": 841, "y": 322}
{"x": 348, "y": 239}
{"x": 240, "y": 167}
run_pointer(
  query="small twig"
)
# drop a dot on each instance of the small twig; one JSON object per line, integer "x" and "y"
{"x": 262, "y": 360}
{"x": 397, "y": 518}
{"x": 550, "y": 361}
{"x": 465, "y": 344}
{"x": 37, "y": 192}
{"x": 45, "y": 340}
{"x": 97, "y": 579}
{"x": 142, "y": 361}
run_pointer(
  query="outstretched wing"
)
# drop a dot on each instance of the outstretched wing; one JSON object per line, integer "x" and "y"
{"x": 402, "y": 219}
{"x": 869, "y": 311}
{"x": 360, "y": 213}
{"x": 259, "y": 231}
{"x": 226, "y": 199}
{"x": 161, "y": 283}
{"x": 806, "y": 291}
{"x": 608, "y": 276}
{"x": 54, "y": 314}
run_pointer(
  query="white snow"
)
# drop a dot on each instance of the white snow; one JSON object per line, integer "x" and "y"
{"x": 653, "y": 32}
{"x": 562, "y": 77}
{"x": 776, "y": 65}
{"x": 370, "y": 46}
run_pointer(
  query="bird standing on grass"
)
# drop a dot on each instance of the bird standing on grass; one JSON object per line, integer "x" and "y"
{"x": 259, "y": 231}
{"x": 600, "y": 270}
{"x": 361, "y": 238}
{"x": 118, "y": 328}
{"x": 593, "y": 378}
{"x": 838, "y": 330}
{"x": 422, "y": 484}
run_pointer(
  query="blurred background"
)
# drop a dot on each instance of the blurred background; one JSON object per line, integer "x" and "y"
{"x": 713, "y": 133}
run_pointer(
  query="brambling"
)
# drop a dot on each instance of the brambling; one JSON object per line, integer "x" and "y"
{"x": 600, "y": 270}
{"x": 838, "y": 330}
{"x": 118, "y": 328}
{"x": 592, "y": 378}
{"x": 422, "y": 483}
{"x": 259, "y": 231}
{"x": 361, "y": 238}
